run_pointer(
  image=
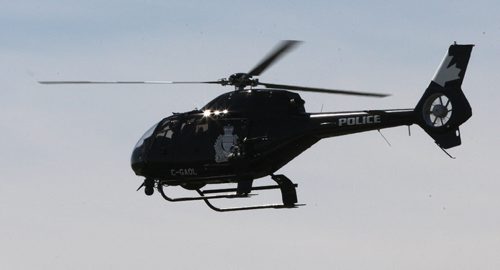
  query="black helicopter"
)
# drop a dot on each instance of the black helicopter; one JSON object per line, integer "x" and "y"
{"x": 250, "y": 133}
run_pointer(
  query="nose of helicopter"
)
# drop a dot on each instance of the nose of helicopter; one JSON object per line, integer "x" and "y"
{"x": 138, "y": 159}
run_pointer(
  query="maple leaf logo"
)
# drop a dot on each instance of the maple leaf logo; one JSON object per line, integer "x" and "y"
{"x": 446, "y": 72}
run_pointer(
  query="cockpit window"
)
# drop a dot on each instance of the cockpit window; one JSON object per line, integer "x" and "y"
{"x": 167, "y": 129}
{"x": 146, "y": 135}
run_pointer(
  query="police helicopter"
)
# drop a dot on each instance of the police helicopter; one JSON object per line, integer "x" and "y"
{"x": 251, "y": 132}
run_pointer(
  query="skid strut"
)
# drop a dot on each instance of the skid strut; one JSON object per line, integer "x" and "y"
{"x": 287, "y": 188}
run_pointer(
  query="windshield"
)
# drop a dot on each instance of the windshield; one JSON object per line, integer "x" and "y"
{"x": 146, "y": 135}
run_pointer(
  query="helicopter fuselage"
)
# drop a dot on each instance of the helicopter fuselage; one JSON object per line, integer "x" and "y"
{"x": 251, "y": 133}
{"x": 245, "y": 135}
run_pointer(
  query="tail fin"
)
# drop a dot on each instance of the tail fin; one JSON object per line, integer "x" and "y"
{"x": 443, "y": 107}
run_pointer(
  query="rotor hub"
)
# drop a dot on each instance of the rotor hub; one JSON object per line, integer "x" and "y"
{"x": 242, "y": 80}
{"x": 439, "y": 110}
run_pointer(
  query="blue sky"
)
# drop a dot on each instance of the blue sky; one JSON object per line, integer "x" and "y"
{"x": 67, "y": 193}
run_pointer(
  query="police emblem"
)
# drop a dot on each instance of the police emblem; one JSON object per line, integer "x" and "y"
{"x": 226, "y": 145}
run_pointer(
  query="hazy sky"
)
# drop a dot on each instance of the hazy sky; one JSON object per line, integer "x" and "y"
{"x": 67, "y": 192}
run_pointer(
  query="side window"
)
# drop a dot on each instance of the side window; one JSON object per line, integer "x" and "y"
{"x": 187, "y": 127}
{"x": 201, "y": 126}
{"x": 165, "y": 135}
{"x": 166, "y": 132}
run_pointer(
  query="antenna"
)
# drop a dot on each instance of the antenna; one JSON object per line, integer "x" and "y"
{"x": 448, "y": 154}
{"x": 388, "y": 143}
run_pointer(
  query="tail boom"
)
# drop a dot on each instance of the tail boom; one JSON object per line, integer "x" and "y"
{"x": 343, "y": 123}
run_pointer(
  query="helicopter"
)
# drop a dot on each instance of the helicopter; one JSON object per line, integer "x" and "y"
{"x": 252, "y": 132}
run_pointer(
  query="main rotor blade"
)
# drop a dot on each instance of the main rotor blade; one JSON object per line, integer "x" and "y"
{"x": 125, "y": 82}
{"x": 322, "y": 90}
{"x": 284, "y": 47}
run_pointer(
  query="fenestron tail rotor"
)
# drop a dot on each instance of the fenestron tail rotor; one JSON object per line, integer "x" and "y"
{"x": 242, "y": 80}
{"x": 437, "y": 110}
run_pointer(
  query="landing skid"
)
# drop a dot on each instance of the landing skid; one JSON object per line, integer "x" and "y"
{"x": 288, "y": 193}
